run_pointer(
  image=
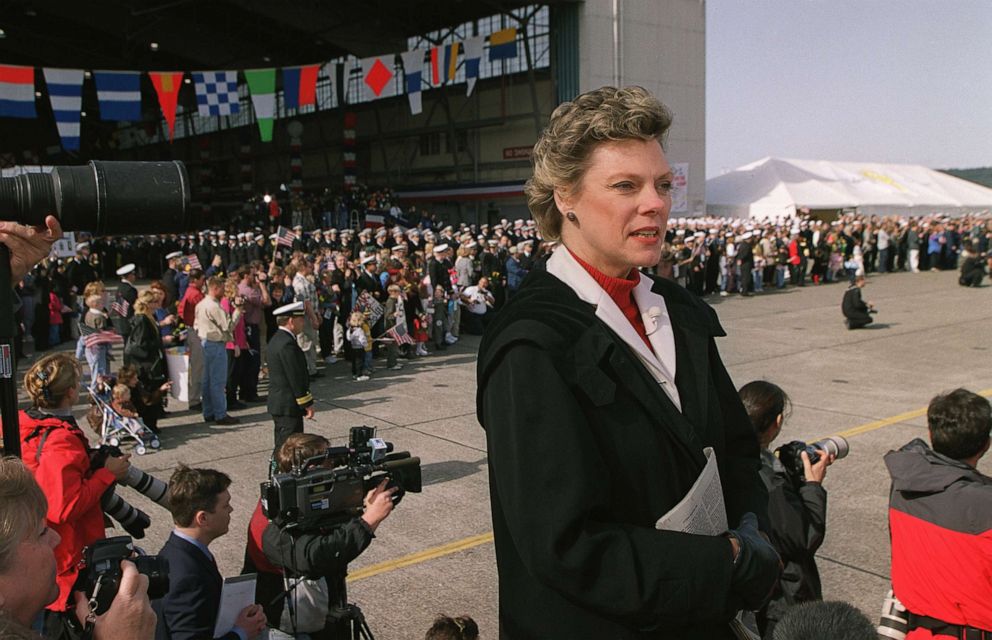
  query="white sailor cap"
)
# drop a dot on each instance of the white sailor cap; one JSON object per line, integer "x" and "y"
{"x": 259, "y": 236}
{"x": 368, "y": 259}
{"x": 472, "y": 245}
{"x": 381, "y": 233}
{"x": 222, "y": 233}
{"x": 448, "y": 229}
{"x": 746, "y": 235}
{"x": 440, "y": 248}
{"x": 174, "y": 255}
{"x": 126, "y": 269}
{"x": 291, "y": 309}
{"x": 82, "y": 245}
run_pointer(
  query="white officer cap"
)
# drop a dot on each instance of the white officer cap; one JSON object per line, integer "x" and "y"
{"x": 126, "y": 269}
{"x": 173, "y": 255}
{"x": 291, "y": 309}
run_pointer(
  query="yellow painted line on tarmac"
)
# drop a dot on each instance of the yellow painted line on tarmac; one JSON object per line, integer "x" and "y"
{"x": 485, "y": 538}
{"x": 421, "y": 556}
{"x": 902, "y": 417}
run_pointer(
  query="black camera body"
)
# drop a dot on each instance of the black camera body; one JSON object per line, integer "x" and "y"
{"x": 790, "y": 455}
{"x": 313, "y": 497}
{"x": 100, "y": 571}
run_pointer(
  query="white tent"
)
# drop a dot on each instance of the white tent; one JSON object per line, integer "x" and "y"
{"x": 777, "y": 187}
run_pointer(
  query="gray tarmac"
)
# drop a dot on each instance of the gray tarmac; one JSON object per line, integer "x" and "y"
{"x": 433, "y": 555}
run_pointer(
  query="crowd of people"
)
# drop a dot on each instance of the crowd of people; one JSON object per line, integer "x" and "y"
{"x": 706, "y": 255}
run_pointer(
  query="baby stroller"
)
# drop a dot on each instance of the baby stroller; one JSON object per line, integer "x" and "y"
{"x": 116, "y": 429}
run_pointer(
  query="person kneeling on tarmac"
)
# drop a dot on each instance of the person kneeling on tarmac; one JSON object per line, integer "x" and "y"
{"x": 300, "y": 571}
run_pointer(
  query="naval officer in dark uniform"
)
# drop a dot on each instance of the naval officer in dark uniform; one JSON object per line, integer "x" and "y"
{"x": 289, "y": 382}
{"x": 123, "y": 310}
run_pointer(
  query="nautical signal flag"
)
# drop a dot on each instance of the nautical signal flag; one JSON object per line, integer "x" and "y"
{"x": 413, "y": 71}
{"x": 167, "y": 85}
{"x": 17, "y": 91}
{"x": 299, "y": 85}
{"x": 119, "y": 94}
{"x": 378, "y": 73}
{"x": 473, "y": 55}
{"x": 65, "y": 91}
{"x": 216, "y": 92}
{"x": 444, "y": 63}
{"x": 262, "y": 85}
{"x": 503, "y": 44}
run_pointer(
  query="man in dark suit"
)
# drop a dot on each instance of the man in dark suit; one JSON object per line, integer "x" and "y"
{"x": 856, "y": 311}
{"x": 124, "y": 300}
{"x": 201, "y": 509}
{"x": 745, "y": 260}
{"x": 289, "y": 383}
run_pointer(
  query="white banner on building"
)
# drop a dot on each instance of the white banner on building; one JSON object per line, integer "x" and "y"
{"x": 680, "y": 187}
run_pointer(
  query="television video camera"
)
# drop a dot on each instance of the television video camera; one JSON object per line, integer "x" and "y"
{"x": 314, "y": 496}
{"x": 790, "y": 455}
{"x": 100, "y": 573}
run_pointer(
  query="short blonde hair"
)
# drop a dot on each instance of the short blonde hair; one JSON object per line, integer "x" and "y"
{"x": 356, "y": 319}
{"x": 576, "y": 128}
{"x": 121, "y": 393}
{"x": 50, "y": 379}
{"x": 95, "y": 288}
{"x": 22, "y": 508}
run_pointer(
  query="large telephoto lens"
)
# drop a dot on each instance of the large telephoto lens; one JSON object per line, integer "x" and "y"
{"x": 105, "y": 198}
{"x": 836, "y": 445}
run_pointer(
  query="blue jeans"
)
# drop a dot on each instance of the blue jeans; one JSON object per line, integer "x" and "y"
{"x": 97, "y": 358}
{"x": 54, "y": 334}
{"x": 214, "y": 380}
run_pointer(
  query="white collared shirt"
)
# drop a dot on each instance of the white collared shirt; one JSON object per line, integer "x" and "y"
{"x": 660, "y": 358}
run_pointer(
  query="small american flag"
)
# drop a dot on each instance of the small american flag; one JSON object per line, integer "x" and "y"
{"x": 285, "y": 236}
{"x": 94, "y": 337}
{"x": 193, "y": 261}
{"x": 120, "y": 306}
{"x": 399, "y": 335}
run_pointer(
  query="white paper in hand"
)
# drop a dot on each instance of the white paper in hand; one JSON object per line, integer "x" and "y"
{"x": 701, "y": 511}
{"x": 238, "y": 593}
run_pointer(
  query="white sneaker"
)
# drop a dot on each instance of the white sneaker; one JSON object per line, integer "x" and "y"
{"x": 361, "y": 378}
{"x": 396, "y": 367}
{"x": 450, "y": 339}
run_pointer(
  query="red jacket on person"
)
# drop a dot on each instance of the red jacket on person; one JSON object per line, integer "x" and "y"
{"x": 940, "y": 522}
{"x": 187, "y": 306}
{"x": 72, "y": 489}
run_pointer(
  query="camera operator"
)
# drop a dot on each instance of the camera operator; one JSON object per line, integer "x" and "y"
{"x": 320, "y": 556}
{"x": 57, "y": 452}
{"x": 28, "y": 568}
{"x": 797, "y": 506}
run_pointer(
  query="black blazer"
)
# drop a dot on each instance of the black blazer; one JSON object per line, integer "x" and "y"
{"x": 189, "y": 610}
{"x": 586, "y": 452}
{"x": 289, "y": 378}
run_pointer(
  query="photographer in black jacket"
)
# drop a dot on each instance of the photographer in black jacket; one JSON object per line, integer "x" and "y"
{"x": 797, "y": 507}
{"x": 282, "y": 556}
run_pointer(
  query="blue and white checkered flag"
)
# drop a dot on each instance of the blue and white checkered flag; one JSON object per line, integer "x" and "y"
{"x": 216, "y": 92}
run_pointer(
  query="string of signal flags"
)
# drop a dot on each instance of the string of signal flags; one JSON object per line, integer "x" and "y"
{"x": 119, "y": 92}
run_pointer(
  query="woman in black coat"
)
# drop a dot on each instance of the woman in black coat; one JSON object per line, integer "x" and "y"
{"x": 599, "y": 389}
{"x": 144, "y": 351}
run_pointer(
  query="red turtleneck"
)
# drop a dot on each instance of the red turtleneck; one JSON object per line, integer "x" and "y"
{"x": 621, "y": 291}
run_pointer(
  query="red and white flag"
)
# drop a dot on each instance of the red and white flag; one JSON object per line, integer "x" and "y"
{"x": 285, "y": 237}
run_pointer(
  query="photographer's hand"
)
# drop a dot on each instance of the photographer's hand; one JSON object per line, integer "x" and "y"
{"x": 28, "y": 244}
{"x": 130, "y": 616}
{"x": 118, "y": 465}
{"x": 378, "y": 505}
{"x": 816, "y": 472}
